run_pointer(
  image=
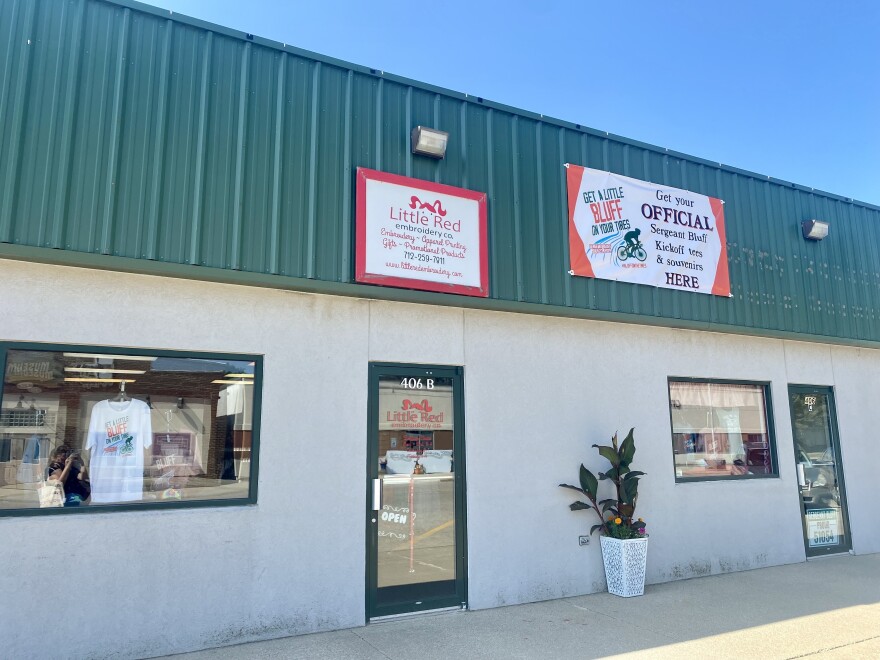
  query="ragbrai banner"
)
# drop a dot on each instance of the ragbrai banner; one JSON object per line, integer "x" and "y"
{"x": 634, "y": 231}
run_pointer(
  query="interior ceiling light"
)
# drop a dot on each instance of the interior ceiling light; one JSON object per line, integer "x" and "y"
{"x": 104, "y": 356}
{"x": 429, "y": 141}
{"x": 238, "y": 376}
{"x": 99, "y": 380}
{"x": 814, "y": 230}
{"x": 102, "y": 370}
{"x": 231, "y": 382}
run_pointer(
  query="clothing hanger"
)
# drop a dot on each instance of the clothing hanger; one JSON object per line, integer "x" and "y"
{"x": 122, "y": 396}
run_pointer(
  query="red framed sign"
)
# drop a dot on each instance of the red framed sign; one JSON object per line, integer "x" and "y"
{"x": 422, "y": 235}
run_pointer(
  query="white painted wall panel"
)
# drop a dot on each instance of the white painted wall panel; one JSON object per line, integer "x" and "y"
{"x": 808, "y": 364}
{"x": 160, "y": 581}
{"x": 538, "y": 392}
{"x": 542, "y": 391}
{"x": 857, "y": 390}
{"x": 418, "y": 334}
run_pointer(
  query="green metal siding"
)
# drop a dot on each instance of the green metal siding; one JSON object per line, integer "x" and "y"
{"x": 130, "y": 132}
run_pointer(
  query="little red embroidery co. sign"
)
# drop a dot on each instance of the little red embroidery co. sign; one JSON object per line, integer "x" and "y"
{"x": 401, "y": 410}
{"x": 420, "y": 235}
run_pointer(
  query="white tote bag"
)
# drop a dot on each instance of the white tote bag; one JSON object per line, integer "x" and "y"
{"x": 51, "y": 494}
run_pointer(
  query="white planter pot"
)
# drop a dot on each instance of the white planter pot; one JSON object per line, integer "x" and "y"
{"x": 625, "y": 561}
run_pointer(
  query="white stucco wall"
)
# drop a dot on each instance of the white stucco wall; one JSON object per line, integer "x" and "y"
{"x": 538, "y": 392}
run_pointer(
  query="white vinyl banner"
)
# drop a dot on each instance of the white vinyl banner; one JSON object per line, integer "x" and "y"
{"x": 634, "y": 231}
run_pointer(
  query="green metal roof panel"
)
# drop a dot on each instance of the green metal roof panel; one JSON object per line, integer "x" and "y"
{"x": 131, "y": 132}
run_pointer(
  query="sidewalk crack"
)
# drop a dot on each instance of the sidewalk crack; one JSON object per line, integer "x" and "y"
{"x": 660, "y": 633}
{"x": 834, "y": 648}
{"x": 371, "y": 645}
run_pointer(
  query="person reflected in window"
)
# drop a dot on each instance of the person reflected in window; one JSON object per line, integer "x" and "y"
{"x": 66, "y": 466}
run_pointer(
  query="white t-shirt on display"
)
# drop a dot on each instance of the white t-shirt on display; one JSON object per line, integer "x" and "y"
{"x": 728, "y": 419}
{"x": 119, "y": 431}
{"x": 234, "y": 400}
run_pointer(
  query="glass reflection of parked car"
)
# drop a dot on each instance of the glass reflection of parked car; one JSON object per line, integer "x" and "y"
{"x": 820, "y": 490}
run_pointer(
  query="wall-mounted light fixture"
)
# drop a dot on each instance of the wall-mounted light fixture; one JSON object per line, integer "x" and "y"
{"x": 429, "y": 141}
{"x": 815, "y": 230}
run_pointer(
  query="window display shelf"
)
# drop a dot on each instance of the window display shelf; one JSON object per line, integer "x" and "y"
{"x": 26, "y": 430}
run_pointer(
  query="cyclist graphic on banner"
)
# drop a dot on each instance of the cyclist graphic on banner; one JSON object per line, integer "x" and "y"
{"x": 631, "y": 247}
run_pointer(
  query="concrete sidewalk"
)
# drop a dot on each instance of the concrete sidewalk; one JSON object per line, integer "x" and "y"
{"x": 827, "y": 608}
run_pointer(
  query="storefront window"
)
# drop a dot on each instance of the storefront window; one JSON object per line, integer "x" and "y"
{"x": 88, "y": 428}
{"x": 720, "y": 430}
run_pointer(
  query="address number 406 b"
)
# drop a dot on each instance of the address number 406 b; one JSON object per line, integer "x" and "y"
{"x": 417, "y": 384}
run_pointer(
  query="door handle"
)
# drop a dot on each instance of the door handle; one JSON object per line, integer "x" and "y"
{"x": 802, "y": 478}
{"x": 377, "y": 494}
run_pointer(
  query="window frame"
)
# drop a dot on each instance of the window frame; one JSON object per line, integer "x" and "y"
{"x": 765, "y": 385}
{"x": 250, "y": 500}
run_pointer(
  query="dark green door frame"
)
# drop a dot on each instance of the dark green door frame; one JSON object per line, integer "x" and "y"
{"x": 428, "y": 602}
{"x": 834, "y": 439}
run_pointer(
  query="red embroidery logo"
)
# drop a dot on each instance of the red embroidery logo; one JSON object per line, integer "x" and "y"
{"x": 433, "y": 208}
{"x": 424, "y": 406}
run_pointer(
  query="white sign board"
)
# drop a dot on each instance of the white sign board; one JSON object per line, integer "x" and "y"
{"x": 420, "y": 235}
{"x": 822, "y": 527}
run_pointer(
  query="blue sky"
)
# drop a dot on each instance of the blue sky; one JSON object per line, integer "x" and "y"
{"x": 789, "y": 89}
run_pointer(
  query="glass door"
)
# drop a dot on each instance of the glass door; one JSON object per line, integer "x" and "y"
{"x": 820, "y": 478}
{"x": 415, "y": 490}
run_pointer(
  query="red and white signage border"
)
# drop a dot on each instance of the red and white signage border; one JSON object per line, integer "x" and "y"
{"x": 361, "y": 274}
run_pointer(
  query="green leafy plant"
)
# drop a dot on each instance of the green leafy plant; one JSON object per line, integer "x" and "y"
{"x": 615, "y": 513}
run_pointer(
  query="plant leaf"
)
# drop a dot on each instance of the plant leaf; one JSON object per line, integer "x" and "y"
{"x": 627, "y": 510}
{"x": 610, "y": 505}
{"x": 612, "y": 474}
{"x": 594, "y": 528}
{"x": 579, "y": 506}
{"x": 633, "y": 474}
{"x": 577, "y": 488}
{"x": 630, "y": 490}
{"x": 628, "y": 448}
{"x": 613, "y": 441}
{"x": 609, "y": 453}
{"x": 589, "y": 483}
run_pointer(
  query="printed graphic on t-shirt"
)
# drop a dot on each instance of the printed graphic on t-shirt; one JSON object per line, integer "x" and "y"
{"x": 118, "y": 441}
